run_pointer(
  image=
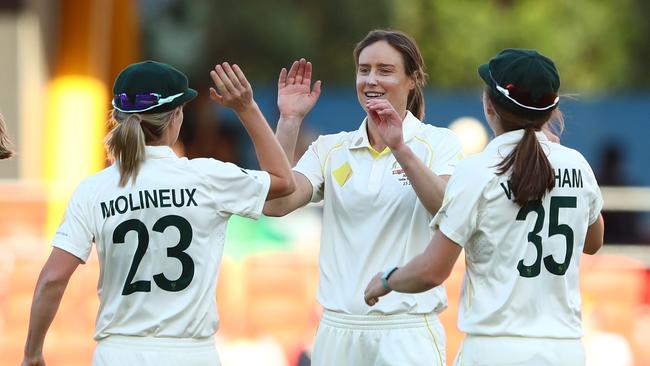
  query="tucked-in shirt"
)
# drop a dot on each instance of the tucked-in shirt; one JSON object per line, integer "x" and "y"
{"x": 522, "y": 263}
{"x": 159, "y": 241}
{"x": 372, "y": 218}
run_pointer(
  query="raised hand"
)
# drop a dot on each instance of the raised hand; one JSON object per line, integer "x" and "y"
{"x": 295, "y": 96}
{"x": 374, "y": 290}
{"x": 232, "y": 89}
{"x": 387, "y": 121}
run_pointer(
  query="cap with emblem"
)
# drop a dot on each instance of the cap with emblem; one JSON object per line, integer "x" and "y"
{"x": 522, "y": 80}
{"x": 150, "y": 87}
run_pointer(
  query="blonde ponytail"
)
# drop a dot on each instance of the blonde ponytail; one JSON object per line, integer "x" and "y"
{"x": 125, "y": 143}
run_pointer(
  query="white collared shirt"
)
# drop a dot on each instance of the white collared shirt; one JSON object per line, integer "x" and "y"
{"x": 372, "y": 218}
{"x": 510, "y": 289}
{"x": 159, "y": 241}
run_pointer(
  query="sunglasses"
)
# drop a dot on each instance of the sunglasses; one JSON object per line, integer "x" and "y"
{"x": 524, "y": 99}
{"x": 141, "y": 102}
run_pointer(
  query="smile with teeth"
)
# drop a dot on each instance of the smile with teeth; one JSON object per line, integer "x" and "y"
{"x": 373, "y": 94}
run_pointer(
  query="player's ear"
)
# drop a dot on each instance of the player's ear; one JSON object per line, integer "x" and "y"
{"x": 488, "y": 108}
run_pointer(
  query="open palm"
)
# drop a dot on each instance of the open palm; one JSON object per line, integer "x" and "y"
{"x": 295, "y": 96}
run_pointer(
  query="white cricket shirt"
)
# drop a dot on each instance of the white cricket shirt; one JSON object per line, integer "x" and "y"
{"x": 372, "y": 218}
{"x": 522, "y": 263}
{"x": 160, "y": 241}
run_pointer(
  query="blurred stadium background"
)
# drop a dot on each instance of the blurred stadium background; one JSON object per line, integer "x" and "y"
{"x": 59, "y": 58}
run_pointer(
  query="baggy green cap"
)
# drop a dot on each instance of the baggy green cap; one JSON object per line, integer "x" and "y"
{"x": 150, "y": 77}
{"x": 522, "y": 80}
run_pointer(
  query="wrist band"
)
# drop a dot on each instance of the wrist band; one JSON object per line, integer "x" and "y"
{"x": 384, "y": 278}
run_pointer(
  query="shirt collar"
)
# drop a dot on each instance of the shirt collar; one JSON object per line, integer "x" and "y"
{"x": 159, "y": 152}
{"x": 511, "y": 138}
{"x": 409, "y": 130}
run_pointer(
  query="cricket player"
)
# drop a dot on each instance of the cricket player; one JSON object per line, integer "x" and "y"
{"x": 524, "y": 210}
{"x": 380, "y": 186}
{"x": 158, "y": 222}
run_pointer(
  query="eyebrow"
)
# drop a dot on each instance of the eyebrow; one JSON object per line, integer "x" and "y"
{"x": 380, "y": 65}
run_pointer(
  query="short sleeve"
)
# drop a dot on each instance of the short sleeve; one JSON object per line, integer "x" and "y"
{"x": 238, "y": 191}
{"x": 458, "y": 216}
{"x": 74, "y": 234}
{"x": 447, "y": 154}
{"x": 596, "y": 199}
{"x": 311, "y": 166}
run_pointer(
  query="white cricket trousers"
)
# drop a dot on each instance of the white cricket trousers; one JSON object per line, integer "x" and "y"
{"x": 150, "y": 351}
{"x": 519, "y": 351}
{"x": 379, "y": 340}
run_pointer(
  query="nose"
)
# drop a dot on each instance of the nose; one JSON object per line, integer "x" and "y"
{"x": 372, "y": 78}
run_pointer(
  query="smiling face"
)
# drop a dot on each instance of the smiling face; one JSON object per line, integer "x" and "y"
{"x": 381, "y": 74}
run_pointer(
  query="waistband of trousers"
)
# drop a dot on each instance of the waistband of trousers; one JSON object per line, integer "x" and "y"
{"x": 378, "y": 321}
{"x": 158, "y": 342}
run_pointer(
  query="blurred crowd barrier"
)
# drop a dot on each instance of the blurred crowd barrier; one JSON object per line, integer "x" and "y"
{"x": 266, "y": 299}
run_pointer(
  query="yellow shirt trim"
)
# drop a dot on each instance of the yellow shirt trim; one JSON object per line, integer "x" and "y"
{"x": 376, "y": 154}
{"x": 327, "y": 156}
{"x": 428, "y": 146}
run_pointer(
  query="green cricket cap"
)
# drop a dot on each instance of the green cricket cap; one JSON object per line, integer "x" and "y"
{"x": 150, "y": 87}
{"x": 522, "y": 80}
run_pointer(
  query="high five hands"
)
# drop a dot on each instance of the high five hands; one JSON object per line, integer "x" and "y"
{"x": 232, "y": 88}
{"x": 295, "y": 96}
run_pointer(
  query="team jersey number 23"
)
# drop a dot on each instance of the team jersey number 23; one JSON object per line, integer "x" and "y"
{"x": 178, "y": 251}
{"x": 554, "y": 228}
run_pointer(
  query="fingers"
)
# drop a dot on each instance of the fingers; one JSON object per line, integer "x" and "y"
{"x": 306, "y": 79}
{"x": 371, "y": 300}
{"x": 232, "y": 89}
{"x": 226, "y": 86}
{"x": 382, "y": 108}
{"x": 241, "y": 77}
{"x": 282, "y": 79}
{"x": 374, "y": 115}
{"x": 316, "y": 90}
{"x": 291, "y": 77}
{"x": 379, "y": 104}
{"x": 215, "y": 96}
{"x": 232, "y": 77}
{"x": 300, "y": 74}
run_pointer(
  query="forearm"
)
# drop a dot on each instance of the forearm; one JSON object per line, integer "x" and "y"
{"x": 595, "y": 236}
{"x": 429, "y": 187}
{"x": 414, "y": 277}
{"x": 284, "y": 205}
{"x": 270, "y": 154}
{"x": 45, "y": 304}
{"x": 287, "y": 135}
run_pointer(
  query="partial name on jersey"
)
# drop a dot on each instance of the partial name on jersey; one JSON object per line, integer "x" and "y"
{"x": 564, "y": 178}
{"x": 179, "y": 197}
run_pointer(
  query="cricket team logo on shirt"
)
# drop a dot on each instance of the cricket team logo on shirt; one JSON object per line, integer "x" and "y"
{"x": 397, "y": 171}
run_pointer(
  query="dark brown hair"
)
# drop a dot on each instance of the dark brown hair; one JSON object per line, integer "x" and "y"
{"x": 413, "y": 63}
{"x": 531, "y": 174}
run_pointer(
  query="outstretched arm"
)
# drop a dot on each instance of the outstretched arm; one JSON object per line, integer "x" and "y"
{"x": 234, "y": 91}
{"x": 429, "y": 187}
{"x": 49, "y": 290}
{"x": 423, "y": 272}
{"x": 295, "y": 99}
